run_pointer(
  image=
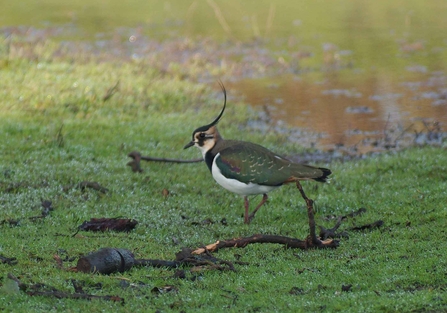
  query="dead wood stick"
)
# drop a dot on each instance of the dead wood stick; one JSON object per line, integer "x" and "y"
{"x": 313, "y": 240}
{"x": 310, "y": 214}
{"x": 147, "y": 158}
{"x": 244, "y": 241}
{"x": 137, "y": 155}
{"x": 373, "y": 225}
{"x": 111, "y": 91}
{"x": 331, "y": 232}
{"x": 111, "y": 260}
{"x": 21, "y": 285}
{"x": 260, "y": 238}
{"x": 92, "y": 184}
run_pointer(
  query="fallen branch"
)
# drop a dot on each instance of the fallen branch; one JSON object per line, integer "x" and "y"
{"x": 21, "y": 285}
{"x": 111, "y": 260}
{"x": 258, "y": 238}
{"x": 111, "y": 91}
{"x": 331, "y": 232}
{"x": 312, "y": 241}
{"x": 148, "y": 158}
{"x": 373, "y": 225}
{"x": 94, "y": 185}
{"x": 10, "y": 222}
{"x": 326, "y": 233}
{"x": 137, "y": 157}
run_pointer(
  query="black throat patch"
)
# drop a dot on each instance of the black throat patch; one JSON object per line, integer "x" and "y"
{"x": 209, "y": 158}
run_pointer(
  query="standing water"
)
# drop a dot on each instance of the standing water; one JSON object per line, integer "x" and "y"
{"x": 361, "y": 74}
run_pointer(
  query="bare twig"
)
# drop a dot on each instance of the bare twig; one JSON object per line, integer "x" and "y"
{"x": 403, "y": 132}
{"x": 111, "y": 91}
{"x": 373, "y": 225}
{"x": 331, "y": 232}
{"x": 258, "y": 238}
{"x": 137, "y": 157}
{"x": 135, "y": 154}
{"x": 310, "y": 214}
{"x": 93, "y": 185}
{"x": 21, "y": 285}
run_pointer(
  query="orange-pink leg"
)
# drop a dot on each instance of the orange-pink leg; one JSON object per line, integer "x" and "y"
{"x": 248, "y": 217}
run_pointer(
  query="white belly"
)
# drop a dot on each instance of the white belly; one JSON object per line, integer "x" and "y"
{"x": 236, "y": 186}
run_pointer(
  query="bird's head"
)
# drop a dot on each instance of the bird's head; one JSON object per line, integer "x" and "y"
{"x": 205, "y": 137}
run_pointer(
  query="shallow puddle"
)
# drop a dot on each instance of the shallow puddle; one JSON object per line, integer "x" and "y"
{"x": 348, "y": 113}
{"x": 362, "y": 74}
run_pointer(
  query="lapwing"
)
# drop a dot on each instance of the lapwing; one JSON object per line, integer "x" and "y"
{"x": 247, "y": 168}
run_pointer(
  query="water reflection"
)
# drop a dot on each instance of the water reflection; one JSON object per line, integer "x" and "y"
{"x": 351, "y": 70}
{"x": 349, "y": 112}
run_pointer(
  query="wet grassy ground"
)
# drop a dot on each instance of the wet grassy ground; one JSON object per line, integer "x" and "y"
{"x": 60, "y": 128}
{"x": 61, "y": 124}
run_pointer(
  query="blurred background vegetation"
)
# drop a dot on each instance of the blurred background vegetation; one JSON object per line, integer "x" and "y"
{"x": 344, "y": 69}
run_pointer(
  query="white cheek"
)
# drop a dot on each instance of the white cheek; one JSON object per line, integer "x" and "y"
{"x": 202, "y": 149}
{"x": 205, "y": 148}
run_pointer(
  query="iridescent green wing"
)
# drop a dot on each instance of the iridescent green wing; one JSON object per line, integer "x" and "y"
{"x": 251, "y": 163}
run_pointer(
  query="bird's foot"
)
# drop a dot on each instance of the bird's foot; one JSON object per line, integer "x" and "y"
{"x": 248, "y": 218}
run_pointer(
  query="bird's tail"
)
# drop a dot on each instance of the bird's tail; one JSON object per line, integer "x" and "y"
{"x": 324, "y": 176}
{"x": 306, "y": 172}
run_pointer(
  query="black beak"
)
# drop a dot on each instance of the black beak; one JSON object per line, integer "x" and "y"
{"x": 190, "y": 144}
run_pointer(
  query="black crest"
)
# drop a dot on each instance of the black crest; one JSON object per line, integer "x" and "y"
{"x": 206, "y": 127}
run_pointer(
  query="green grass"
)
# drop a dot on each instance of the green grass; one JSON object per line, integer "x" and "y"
{"x": 56, "y": 132}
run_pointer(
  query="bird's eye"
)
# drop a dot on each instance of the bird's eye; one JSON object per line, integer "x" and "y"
{"x": 202, "y": 135}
